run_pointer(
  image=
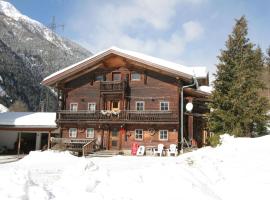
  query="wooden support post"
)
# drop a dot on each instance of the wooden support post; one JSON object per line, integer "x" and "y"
{"x": 190, "y": 124}
{"x": 49, "y": 140}
{"x": 190, "y": 129}
{"x": 19, "y": 144}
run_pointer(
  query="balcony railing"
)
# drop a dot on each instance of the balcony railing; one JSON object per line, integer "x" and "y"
{"x": 85, "y": 146}
{"x": 113, "y": 86}
{"x": 121, "y": 116}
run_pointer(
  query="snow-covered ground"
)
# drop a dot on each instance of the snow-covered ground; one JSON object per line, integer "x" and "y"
{"x": 238, "y": 169}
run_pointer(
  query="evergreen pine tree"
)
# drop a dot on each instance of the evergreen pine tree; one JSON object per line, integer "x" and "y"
{"x": 236, "y": 107}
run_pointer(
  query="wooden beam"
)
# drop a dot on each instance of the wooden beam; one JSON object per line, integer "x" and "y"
{"x": 157, "y": 69}
{"x": 49, "y": 140}
{"x": 19, "y": 144}
{"x": 80, "y": 73}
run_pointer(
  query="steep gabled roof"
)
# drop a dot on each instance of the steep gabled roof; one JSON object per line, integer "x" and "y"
{"x": 155, "y": 63}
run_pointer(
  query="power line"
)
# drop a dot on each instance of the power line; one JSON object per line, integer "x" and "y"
{"x": 53, "y": 27}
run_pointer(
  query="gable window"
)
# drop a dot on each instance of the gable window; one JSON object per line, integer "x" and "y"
{"x": 163, "y": 135}
{"x": 164, "y": 106}
{"x": 99, "y": 78}
{"x": 135, "y": 76}
{"x": 73, "y": 132}
{"x": 73, "y": 106}
{"x": 116, "y": 76}
{"x": 139, "y": 134}
{"x": 90, "y": 133}
{"x": 92, "y": 107}
{"x": 139, "y": 105}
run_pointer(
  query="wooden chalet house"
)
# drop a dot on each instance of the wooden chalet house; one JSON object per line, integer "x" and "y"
{"x": 117, "y": 97}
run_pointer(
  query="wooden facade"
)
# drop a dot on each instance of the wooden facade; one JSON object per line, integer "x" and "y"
{"x": 117, "y": 101}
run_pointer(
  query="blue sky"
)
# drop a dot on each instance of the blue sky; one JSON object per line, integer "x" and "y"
{"x": 190, "y": 32}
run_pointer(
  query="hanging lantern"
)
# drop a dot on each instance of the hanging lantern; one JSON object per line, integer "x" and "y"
{"x": 189, "y": 107}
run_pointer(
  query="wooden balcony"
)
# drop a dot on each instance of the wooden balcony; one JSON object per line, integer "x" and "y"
{"x": 129, "y": 117}
{"x": 113, "y": 86}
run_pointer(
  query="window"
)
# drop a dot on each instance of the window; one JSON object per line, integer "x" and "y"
{"x": 138, "y": 134}
{"x": 99, "y": 78}
{"x": 73, "y": 106}
{"x": 163, "y": 135}
{"x": 139, "y": 105}
{"x": 92, "y": 107}
{"x": 116, "y": 76}
{"x": 73, "y": 132}
{"x": 115, "y": 132}
{"x": 115, "y": 105}
{"x": 90, "y": 133}
{"x": 135, "y": 76}
{"x": 164, "y": 105}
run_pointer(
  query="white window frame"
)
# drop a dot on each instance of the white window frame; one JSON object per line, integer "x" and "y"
{"x": 92, "y": 132}
{"x": 164, "y": 102}
{"x": 135, "y": 135}
{"x": 136, "y": 107}
{"x": 162, "y": 139}
{"x": 71, "y": 133}
{"x": 135, "y": 79}
{"x": 93, "y": 103}
{"x": 70, "y": 106}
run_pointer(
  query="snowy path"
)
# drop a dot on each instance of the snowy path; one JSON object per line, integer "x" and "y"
{"x": 238, "y": 169}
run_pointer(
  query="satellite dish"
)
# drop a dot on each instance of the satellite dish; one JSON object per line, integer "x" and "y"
{"x": 189, "y": 107}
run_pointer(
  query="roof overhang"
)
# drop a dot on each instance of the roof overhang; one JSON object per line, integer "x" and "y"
{"x": 197, "y": 93}
{"x": 28, "y": 128}
{"x": 94, "y": 62}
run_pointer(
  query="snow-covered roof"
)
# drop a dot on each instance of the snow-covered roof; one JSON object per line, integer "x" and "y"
{"x": 171, "y": 67}
{"x": 28, "y": 119}
{"x": 205, "y": 88}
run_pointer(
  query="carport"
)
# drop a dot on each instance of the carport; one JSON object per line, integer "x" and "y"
{"x": 26, "y": 131}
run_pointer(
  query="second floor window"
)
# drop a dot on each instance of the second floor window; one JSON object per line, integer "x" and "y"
{"x": 139, "y": 105}
{"x": 73, "y": 132}
{"x": 164, "y": 106}
{"x": 92, "y": 107}
{"x": 73, "y": 106}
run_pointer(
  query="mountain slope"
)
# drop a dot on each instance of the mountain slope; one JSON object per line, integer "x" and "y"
{"x": 29, "y": 45}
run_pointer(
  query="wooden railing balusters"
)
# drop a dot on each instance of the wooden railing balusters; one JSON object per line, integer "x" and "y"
{"x": 139, "y": 116}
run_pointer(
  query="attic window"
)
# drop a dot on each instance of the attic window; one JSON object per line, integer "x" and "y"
{"x": 135, "y": 76}
{"x": 99, "y": 78}
{"x": 116, "y": 76}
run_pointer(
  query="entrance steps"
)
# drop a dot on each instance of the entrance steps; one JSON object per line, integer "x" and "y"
{"x": 105, "y": 153}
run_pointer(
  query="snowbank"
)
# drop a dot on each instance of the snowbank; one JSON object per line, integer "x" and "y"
{"x": 238, "y": 169}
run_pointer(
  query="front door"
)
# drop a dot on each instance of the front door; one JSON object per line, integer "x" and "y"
{"x": 115, "y": 139}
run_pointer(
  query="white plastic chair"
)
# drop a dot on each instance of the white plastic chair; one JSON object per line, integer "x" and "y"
{"x": 140, "y": 151}
{"x": 173, "y": 150}
{"x": 159, "y": 150}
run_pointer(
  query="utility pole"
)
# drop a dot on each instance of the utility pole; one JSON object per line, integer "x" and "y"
{"x": 52, "y": 26}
